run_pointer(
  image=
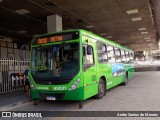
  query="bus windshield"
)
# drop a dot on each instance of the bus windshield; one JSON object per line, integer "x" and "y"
{"x": 58, "y": 61}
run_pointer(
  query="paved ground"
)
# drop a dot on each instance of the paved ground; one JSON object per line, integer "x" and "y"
{"x": 14, "y": 97}
{"x": 141, "y": 94}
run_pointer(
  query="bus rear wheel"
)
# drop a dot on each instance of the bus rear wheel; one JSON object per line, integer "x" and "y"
{"x": 101, "y": 89}
{"x": 126, "y": 80}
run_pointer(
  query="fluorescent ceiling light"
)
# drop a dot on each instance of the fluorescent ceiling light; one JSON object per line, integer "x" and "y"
{"x": 152, "y": 48}
{"x": 144, "y": 32}
{"x": 132, "y": 11}
{"x": 109, "y": 37}
{"x": 150, "y": 44}
{"x": 89, "y": 26}
{"x": 117, "y": 41}
{"x": 142, "y": 29}
{"x": 22, "y": 31}
{"x": 136, "y": 19}
{"x": 22, "y": 11}
{"x": 103, "y": 34}
{"x": 147, "y": 38}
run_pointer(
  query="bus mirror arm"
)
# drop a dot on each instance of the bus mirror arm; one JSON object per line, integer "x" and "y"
{"x": 86, "y": 41}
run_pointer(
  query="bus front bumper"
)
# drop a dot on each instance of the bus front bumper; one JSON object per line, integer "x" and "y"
{"x": 76, "y": 94}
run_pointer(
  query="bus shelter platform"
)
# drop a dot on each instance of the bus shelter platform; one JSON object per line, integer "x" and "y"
{"x": 13, "y": 100}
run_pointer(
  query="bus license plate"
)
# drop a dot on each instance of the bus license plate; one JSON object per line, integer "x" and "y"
{"x": 51, "y": 98}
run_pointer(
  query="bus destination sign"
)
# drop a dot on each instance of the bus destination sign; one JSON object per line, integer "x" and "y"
{"x": 56, "y": 38}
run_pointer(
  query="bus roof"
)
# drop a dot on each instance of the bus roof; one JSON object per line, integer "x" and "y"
{"x": 106, "y": 40}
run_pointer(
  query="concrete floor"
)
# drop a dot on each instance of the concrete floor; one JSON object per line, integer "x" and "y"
{"x": 141, "y": 94}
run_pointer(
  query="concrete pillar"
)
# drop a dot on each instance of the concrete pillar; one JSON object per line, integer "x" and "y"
{"x": 54, "y": 23}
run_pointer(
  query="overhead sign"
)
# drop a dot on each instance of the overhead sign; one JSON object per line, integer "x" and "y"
{"x": 56, "y": 38}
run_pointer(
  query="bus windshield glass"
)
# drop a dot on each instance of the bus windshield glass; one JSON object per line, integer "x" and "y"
{"x": 58, "y": 61}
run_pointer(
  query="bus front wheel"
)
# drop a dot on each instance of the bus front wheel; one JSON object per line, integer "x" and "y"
{"x": 101, "y": 89}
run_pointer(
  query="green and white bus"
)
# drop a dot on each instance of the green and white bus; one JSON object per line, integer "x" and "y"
{"x": 76, "y": 65}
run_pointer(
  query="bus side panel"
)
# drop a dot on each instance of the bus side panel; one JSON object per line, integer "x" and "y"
{"x": 117, "y": 74}
{"x": 130, "y": 71}
{"x": 104, "y": 70}
{"x": 112, "y": 73}
{"x": 90, "y": 90}
{"x": 90, "y": 74}
{"x": 90, "y": 82}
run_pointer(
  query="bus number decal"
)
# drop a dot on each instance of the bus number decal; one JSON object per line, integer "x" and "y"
{"x": 60, "y": 88}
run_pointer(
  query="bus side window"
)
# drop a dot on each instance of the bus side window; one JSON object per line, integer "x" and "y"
{"x": 117, "y": 55}
{"x": 88, "y": 56}
{"x": 127, "y": 56}
{"x": 123, "y": 55}
{"x": 131, "y": 56}
{"x": 102, "y": 52}
{"x": 111, "y": 55}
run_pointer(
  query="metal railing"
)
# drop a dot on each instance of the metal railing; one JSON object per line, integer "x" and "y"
{"x": 11, "y": 74}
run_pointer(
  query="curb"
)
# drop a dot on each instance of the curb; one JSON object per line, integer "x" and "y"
{"x": 15, "y": 105}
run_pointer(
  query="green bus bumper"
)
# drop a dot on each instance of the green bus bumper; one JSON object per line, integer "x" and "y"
{"x": 76, "y": 94}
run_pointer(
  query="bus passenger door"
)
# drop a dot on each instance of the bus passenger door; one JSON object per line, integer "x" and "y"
{"x": 89, "y": 71}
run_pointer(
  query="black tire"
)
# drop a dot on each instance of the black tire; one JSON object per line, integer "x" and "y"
{"x": 126, "y": 80}
{"x": 101, "y": 89}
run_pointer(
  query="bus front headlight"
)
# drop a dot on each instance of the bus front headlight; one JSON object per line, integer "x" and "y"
{"x": 32, "y": 86}
{"x": 75, "y": 84}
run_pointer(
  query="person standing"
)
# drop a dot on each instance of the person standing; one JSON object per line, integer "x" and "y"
{"x": 27, "y": 83}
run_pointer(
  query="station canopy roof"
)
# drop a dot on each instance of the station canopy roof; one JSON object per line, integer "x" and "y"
{"x": 132, "y": 23}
